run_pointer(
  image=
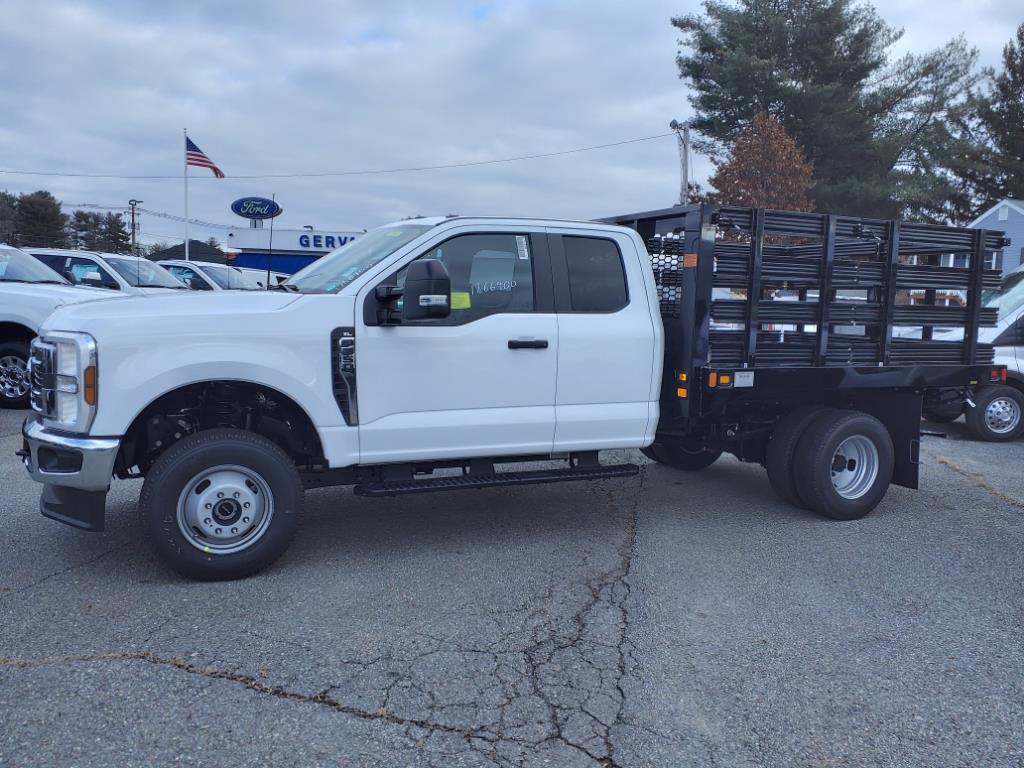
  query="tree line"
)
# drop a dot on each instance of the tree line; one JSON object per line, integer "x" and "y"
{"x": 801, "y": 104}
{"x": 37, "y": 219}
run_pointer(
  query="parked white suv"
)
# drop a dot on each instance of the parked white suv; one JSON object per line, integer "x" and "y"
{"x": 29, "y": 292}
{"x": 113, "y": 272}
{"x": 206, "y": 276}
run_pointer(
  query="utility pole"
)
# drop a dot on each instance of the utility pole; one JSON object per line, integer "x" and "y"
{"x": 132, "y": 203}
{"x": 683, "y": 135}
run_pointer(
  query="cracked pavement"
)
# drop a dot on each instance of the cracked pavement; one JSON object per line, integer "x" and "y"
{"x": 664, "y": 620}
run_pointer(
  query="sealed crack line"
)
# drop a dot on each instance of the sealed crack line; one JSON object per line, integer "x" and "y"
{"x": 321, "y": 699}
{"x": 979, "y": 481}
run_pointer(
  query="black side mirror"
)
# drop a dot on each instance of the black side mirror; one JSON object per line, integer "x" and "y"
{"x": 198, "y": 284}
{"x": 428, "y": 289}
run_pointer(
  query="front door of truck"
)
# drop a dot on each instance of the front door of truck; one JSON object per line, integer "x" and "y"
{"x": 480, "y": 382}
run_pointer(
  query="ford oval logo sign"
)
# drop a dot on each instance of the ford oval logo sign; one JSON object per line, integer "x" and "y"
{"x": 256, "y": 208}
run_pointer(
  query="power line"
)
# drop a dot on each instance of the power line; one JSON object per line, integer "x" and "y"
{"x": 326, "y": 174}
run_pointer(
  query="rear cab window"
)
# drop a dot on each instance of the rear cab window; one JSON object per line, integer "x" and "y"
{"x": 595, "y": 275}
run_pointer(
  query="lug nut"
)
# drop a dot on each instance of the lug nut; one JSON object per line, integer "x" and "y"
{"x": 246, "y": 505}
{"x": 220, "y": 495}
{"x": 208, "y": 521}
{"x": 217, "y": 530}
{"x": 245, "y": 519}
{"x": 209, "y": 505}
{"x": 237, "y": 494}
{"x": 234, "y": 530}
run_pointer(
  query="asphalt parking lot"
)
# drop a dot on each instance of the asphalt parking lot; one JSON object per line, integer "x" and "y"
{"x": 666, "y": 620}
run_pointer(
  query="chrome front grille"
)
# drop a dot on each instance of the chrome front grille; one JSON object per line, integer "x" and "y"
{"x": 41, "y": 369}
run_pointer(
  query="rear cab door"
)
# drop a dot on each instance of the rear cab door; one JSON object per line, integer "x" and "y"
{"x": 610, "y": 340}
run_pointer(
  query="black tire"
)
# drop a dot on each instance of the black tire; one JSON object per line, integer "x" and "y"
{"x": 780, "y": 456}
{"x": 11, "y": 351}
{"x": 816, "y": 454}
{"x": 993, "y": 411}
{"x": 680, "y": 455}
{"x": 229, "y": 454}
{"x": 946, "y": 413}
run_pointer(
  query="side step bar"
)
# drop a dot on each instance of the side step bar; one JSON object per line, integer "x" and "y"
{"x": 493, "y": 479}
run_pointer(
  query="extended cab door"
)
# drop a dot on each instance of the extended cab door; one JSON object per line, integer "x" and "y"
{"x": 609, "y": 350}
{"x": 480, "y": 382}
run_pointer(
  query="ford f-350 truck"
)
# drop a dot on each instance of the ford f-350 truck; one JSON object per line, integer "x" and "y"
{"x": 430, "y": 354}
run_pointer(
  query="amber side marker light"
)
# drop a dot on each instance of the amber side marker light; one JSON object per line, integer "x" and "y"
{"x": 724, "y": 379}
{"x": 713, "y": 379}
{"x": 90, "y": 385}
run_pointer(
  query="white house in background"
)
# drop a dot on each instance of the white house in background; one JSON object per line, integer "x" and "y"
{"x": 1006, "y": 216}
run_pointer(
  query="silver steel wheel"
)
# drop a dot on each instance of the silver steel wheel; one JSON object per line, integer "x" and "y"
{"x": 1002, "y": 415}
{"x": 855, "y": 467}
{"x": 14, "y": 383}
{"x": 225, "y": 509}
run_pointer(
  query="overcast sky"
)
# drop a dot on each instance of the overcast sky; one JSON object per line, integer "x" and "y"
{"x": 269, "y": 87}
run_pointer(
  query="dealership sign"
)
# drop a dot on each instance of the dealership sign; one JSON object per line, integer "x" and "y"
{"x": 256, "y": 208}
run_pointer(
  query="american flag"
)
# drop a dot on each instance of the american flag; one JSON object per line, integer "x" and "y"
{"x": 195, "y": 156}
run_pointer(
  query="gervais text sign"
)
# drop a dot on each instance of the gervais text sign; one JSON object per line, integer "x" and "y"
{"x": 321, "y": 242}
{"x": 256, "y": 208}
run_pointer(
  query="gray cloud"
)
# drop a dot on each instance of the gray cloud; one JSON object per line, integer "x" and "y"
{"x": 271, "y": 87}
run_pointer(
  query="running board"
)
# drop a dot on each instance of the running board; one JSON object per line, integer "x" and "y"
{"x": 494, "y": 479}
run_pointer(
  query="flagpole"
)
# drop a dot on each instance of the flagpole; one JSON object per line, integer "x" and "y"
{"x": 186, "y": 192}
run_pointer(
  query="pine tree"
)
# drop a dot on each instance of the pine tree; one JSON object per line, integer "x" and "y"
{"x": 213, "y": 243}
{"x": 765, "y": 168}
{"x": 8, "y": 218}
{"x": 114, "y": 236}
{"x": 85, "y": 229}
{"x": 39, "y": 221}
{"x": 993, "y": 133}
{"x": 875, "y": 130}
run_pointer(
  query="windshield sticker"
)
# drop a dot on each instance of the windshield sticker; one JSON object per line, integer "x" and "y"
{"x": 461, "y": 300}
{"x": 524, "y": 252}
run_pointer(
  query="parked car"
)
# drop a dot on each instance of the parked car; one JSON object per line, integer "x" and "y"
{"x": 29, "y": 292}
{"x": 994, "y": 413}
{"x": 471, "y": 343}
{"x": 206, "y": 276}
{"x": 111, "y": 272}
{"x": 260, "y": 276}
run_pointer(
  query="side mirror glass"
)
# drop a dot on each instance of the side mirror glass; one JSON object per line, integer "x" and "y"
{"x": 427, "y": 293}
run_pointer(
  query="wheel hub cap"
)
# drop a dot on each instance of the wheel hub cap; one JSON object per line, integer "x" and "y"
{"x": 225, "y": 509}
{"x": 14, "y": 383}
{"x": 854, "y": 467}
{"x": 1002, "y": 415}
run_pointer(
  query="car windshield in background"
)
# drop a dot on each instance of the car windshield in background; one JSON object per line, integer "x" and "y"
{"x": 19, "y": 267}
{"x": 1009, "y": 297}
{"x": 230, "y": 279}
{"x": 340, "y": 267}
{"x": 144, "y": 274}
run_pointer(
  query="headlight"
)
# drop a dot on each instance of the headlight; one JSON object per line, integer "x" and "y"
{"x": 74, "y": 380}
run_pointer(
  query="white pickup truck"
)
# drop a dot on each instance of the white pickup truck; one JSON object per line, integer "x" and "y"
{"x": 423, "y": 354}
{"x": 29, "y": 292}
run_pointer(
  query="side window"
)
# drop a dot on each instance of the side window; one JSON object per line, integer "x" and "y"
{"x": 81, "y": 268}
{"x": 597, "y": 278}
{"x": 1013, "y": 336}
{"x": 491, "y": 274}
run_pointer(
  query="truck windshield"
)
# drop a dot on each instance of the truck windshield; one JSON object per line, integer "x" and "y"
{"x": 230, "y": 279}
{"x": 341, "y": 266}
{"x": 18, "y": 267}
{"x": 143, "y": 273}
{"x": 1010, "y": 295}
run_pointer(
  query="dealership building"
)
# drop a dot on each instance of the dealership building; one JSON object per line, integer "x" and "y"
{"x": 290, "y": 251}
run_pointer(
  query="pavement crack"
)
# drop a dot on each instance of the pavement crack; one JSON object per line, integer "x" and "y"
{"x": 979, "y": 481}
{"x": 68, "y": 569}
{"x": 322, "y": 698}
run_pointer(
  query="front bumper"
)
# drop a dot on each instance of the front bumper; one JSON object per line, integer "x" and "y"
{"x": 74, "y": 470}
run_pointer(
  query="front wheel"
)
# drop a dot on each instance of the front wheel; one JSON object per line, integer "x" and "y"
{"x": 14, "y": 384}
{"x": 682, "y": 455}
{"x": 844, "y": 464}
{"x": 996, "y": 414}
{"x": 221, "y": 504}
